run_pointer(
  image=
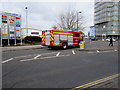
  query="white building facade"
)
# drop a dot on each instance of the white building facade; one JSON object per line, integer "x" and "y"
{"x": 31, "y": 32}
{"x": 106, "y": 18}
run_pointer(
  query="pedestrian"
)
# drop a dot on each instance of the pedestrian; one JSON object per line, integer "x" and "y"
{"x": 111, "y": 42}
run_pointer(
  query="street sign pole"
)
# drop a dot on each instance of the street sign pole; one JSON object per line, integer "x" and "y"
{"x": 1, "y": 37}
{"x": 1, "y": 30}
{"x": 15, "y": 29}
{"x": 77, "y": 21}
{"x": 20, "y": 31}
{"x": 8, "y": 32}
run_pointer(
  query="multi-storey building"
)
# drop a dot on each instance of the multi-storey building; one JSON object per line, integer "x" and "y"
{"x": 107, "y": 18}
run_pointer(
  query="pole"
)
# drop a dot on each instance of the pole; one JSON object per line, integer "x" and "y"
{"x": 8, "y": 33}
{"x": 1, "y": 30}
{"x": 26, "y": 22}
{"x": 77, "y": 20}
{"x": 21, "y": 30}
{"x": 0, "y": 37}
{"x": 15, "y": 30}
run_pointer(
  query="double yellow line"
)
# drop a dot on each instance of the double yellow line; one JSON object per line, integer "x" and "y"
{"x": 96, "y": 82}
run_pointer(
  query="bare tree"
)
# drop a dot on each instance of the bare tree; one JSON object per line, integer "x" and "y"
{"x": 69, "y": 21}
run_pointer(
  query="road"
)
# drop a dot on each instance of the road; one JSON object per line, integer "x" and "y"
{"x": 43, "y": 68}
{"x": 9, "y": 54}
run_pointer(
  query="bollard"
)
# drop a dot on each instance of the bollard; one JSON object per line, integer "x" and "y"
{"x": 82, "y": 45}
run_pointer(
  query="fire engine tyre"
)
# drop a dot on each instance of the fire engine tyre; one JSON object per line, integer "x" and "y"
{"x": 64, "y": 46}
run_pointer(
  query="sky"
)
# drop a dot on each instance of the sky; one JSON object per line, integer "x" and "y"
{"x": 43, "y": 15}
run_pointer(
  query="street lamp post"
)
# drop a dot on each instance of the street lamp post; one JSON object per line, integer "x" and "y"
{"x": 77, "y": 19}
{"x": 103, "y": 34}
{"x": 26, "y": 22}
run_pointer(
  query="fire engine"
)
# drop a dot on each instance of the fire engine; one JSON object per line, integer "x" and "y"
{"x": 61, "y": 38}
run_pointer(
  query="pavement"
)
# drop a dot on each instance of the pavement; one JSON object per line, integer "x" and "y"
{"x": 88, "y": 46}
{"x": 14, "y": 48}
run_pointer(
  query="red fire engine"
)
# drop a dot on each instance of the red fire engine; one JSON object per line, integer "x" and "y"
{"x": 61, "y": 38}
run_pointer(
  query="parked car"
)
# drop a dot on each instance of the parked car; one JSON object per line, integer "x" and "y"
{"x": 108, "y": 39}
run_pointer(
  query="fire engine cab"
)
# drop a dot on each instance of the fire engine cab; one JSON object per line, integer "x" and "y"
{"x": 61, "y": 38}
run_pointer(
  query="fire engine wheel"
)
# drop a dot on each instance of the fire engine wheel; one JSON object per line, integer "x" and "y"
{"x": 64, "y": 45}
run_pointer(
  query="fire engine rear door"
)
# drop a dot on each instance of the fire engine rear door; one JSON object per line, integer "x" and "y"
{"x": 47, "y": 40}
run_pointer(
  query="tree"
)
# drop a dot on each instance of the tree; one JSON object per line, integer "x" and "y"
{"x": 70, "y": 20}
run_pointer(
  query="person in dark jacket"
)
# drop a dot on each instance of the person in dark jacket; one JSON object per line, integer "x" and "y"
{"x": 111, "y": 42}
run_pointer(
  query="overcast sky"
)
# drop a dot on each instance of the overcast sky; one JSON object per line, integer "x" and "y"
{"x": 43, "y": 15}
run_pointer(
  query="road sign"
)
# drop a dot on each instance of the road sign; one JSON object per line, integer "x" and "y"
{"x": 10, "y": 26}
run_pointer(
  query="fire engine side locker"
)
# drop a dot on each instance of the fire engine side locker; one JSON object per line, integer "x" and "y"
{"x": 62, "y": 37}
{"x": 56, "y": 39}
{"x": 70, "y": 40}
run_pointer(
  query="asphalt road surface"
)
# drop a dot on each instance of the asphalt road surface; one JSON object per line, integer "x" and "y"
{"x": 43, "y": 68}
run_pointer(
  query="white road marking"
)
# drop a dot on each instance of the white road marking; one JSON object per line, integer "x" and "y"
{"x": 58, "y": 54}
{"x": 107, "y": 51}
{"x": 7, "y": 60}
{"x": 34, "y": 55}
{"x": 43, "y": 58}
{"x": 103, "y": 51}
{"x": 91, "y": 52}
{"x": 37, "y": 56}
{"x": 26, "y": 56}
{"x": 98, "y": 51}
{"x": 73, "y": 51}
{"x": 48, "y": 53}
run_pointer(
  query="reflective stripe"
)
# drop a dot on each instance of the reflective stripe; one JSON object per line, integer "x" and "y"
{"x": 43, "y": 37}
{"x": 78, "y": 37}
{"x": 4, "y": 34}
{"x": 56, "y": 43}
{"x": 63, "y": 33}
{"x": 51, "y": 36}
{"x": 70, "y": 43}
{"x": 75, "y": 43}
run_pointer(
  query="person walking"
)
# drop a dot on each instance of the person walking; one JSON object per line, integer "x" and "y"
{"x": 111, "y": 42}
